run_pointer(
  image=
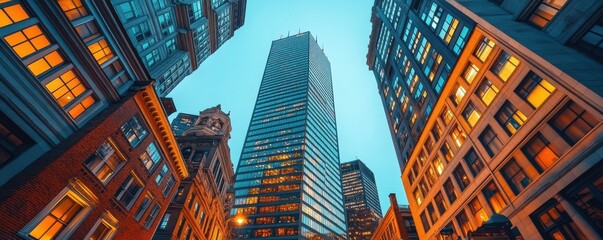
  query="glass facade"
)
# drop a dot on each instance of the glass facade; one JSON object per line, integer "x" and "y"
{"x": 361, "y": 199}
{"x": 287, "y": 181}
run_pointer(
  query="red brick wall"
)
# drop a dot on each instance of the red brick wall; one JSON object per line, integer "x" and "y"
{"x": 34, "y": 193}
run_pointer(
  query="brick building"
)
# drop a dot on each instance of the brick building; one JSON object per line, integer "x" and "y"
{"x": 396, "y": 224}
{"x": 113, "y": 179}
{"x": 201, "y": 207}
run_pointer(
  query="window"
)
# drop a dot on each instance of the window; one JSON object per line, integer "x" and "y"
{"x": 12, "y": 14}
{"x": 66, "y": 88}
{"x": 484, "y": 49}
{"x": 461, "y": 177}
{"x": 100, "y": 51}
{"x": 425, "y": 222}
{"x": 463, "y": 222}
{"x": 133, "y": 131}
{"x": 460, "y": 41}
{"x": 438, "y": 165}
{"x": 433, "y": 216}
{"x": 87, "y": 30}
{"x": 152, "y": 58}
{"x": 45, "y": 63}
{"x": 486, "y": 91}
{"x": 450, "y": 191}
{"x": 170, "y": 46}
{"x": 458, "y": 94}
{"x": 103, "y": 229}
{"x": 82, "y": 106}
{"x": 490, "y": 141}
{"x": 12, "y": 140}
{"x": 554, "y": 223}
{"x": 515, "y": 176}
{"x": 586, "y": 196}
{"x": 436, "y": 131}
{"x": 143, "y": 206}
{"x": 573, "y": 122}
{"x": 448, "y": 28}
{"x": 104, "y": 162}
{"x": 27, "y": 41}
{"x": 433, "y": 16}
{"x": 151, "y": 157}
{"x": 458, "y": 135}
{"x": 510, "y": 118}
{"x": 159, "y": 4}
{"x": 140, "y": 31}
{"x": 195, "y": 11}
{"x": 447, "y": 152}
{"x": 475, "y": 164}
{"x": 169, "y": 185}
{"x": 440, "y": 203}
{"x": 504, "y": 66}
{"x": 494, "y": 197}
{"x": 129, "y": 10}
{"x": 446, "y": 116}
{"x": 546, "y": 10}
{"x": 540, "y": 152}
{"x": 60, "y": 217}
{"x": 166, "y": 23}
{"x": 592, "y": 41}
{"x": 470, "y": 72}
{"x": 148, "y": 221}
{"x": 128, "y": 191}
{"x": 164, "y": 221}
{"x": 534, "y": 90}
{"x": 471, "y": 114}
{"x": 162, "y": 173}
{"x": 479, "y": 215}
{"x": 73, "y": 9}
{"x": 418, "y": 196}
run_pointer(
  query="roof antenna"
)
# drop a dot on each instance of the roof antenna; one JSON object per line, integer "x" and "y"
{"x": 299, "y": 31}
{"x": 288, "y": 33}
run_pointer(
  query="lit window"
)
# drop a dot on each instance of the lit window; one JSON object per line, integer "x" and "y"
{"x": 66, "y": 88}
{"x": 540, "y": 152}
{"x": 484, "y": 49}
{"x": 478, "y": 212}
{"x": 447, "y": 152}
{"x": 27, "y": 41}
{"x": 195, "y": 11}
{"x": 151, "y": 157}
{"x": 61, "y": 220}
{"x": 103, "y": 229}
{"x": 101, "y": 51}
{"x": 547, "y": 9}
{"x": 128, "y": 191}
{"x": 164, "y": 221}
{"x": 129, "y": 10}
{"x": 463, "y": 222}
{"x": 12, "y": 14}
{"x": 166, "y": 23}
{"x": 458, "y": 95}
{"x": 12, "y": 140}
{"x": 494, "y": 197}
{"x": 80, "y": 107}
{"x": 470, "y": 72}
{"x": 474, "y": 162}
{"x": 471, "y": 114}
{"x": 74, "y": 9}
{"x": 104, "y": 162}
{"x": 448, "y": 28}
{"x": 510, "y": 118}
{"x": 515, "y": 176}
{"x": 170, "y": 46}
{"x": 438, "y": 165}
{"x": 458, "y": 135}
{"x": 487, "y": 92}
{"x": 45, "y": 63}
{"x": 460, "y": 41}
{"x": 133, "y": 131}
{"x": 573, "y": 122}
{"x": 461, "y": 177}
{"x": 490, "y": 141}
{"x": 535, "y": 90}
{"x": 554, "y": 223}
{"x": 418, "y": 196}
{"x": 504, "y": 66}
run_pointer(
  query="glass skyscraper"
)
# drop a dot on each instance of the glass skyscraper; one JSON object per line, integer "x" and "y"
{"x": 287, "y": 181}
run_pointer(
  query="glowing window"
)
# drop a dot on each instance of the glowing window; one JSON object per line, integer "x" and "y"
{"x": 458, "y": 135}
{"x": 470, "y": 72}
{"x": 73, "y": 9}
{"x": 45, "y": 63}
{"x": 57, "y": 219}
{"x": 81, "y": 107}
{"x": 505, "y": 66}
{"x": 101, "y": 51}
{"x": 438, "y": 165}
{"x": 66, "y": 88}
{"x": 27, "y": 41}
{"x": 12, "y": 14}
{"x": 471, "y": 114}
{"x": 494, "y": 197}
{"x": 104, "y": 162}
{"x": 484, "y": 49}
{"x": 535, "y": 90}
{"x": 547, "y": 9}
{"x": 478, "y": 212}
{"x": 573, "y": 122}
{"x": 151, "y": 157}
{"x": 458, "y": 94}
{"x": 540, "y": 152}
{"x": 487, "y": 91}
{"x": 510, "y": 118}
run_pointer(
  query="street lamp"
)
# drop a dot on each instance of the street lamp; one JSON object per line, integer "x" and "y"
{"x": 238, "y": 220}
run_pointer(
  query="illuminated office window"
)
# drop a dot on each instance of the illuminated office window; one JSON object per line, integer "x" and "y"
{"x": 494, "y": 197}
{"x": 471, "y": 114}
{"x": 553, "y": 222}
{"x": 74, "y": 9}
{"x": 478, "y": 212}
{"x": 484, "y": 49}
{"x": 438, "y": 165}
{"x": 104, "y": 162}
{"x": 60, "y": 220}
{"x": 540, "y": 152}
{"x": 573, "y": 122}
{"x": 12, "y": 14}
{"x": 82, "y": 106}
{"x": 535, "y": 90}
{"x": 510, "y": 118}
{"x": 504, "y": 66}
{"x": 458, "y": 94}
{"x": 27, "y": 41}
{"x": 66, "y": 88}
{"x": 45, "y": 63}
{"x": 546, "y": 10}
{"x": 463, "y": 222}
{"x": 101, "y": 51}
{"x": 486, "y": 91}
{"x": 470, "y": 71}
{"x": 458, "y": 135}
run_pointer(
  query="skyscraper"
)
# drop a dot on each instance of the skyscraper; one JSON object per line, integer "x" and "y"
{"x": 183, "y": 122}
{"x": 287, "y": 181}
{"x": 361, "y": 199}
{"x": 516, "y": 129}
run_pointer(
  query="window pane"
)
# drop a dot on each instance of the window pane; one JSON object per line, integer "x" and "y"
{"x": 573, "y": 122}
{"x": 534, "y": 90}
{"x": 473, "y": 162}
{"x": 554, "y": 223}
{"x": 483, "y": 50}
{"x": 510, "y": 118}
{"x": 504, "y": 66}
{"x": 545, "y": 12}
{"x": 494, "y": 197}
{"x": 59, "y": 217}
{"x": 540, "y": 152}
{"x": 515, "y": 176}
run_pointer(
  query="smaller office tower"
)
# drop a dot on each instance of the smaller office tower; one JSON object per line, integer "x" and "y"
{"x": 202, "y": 203}
{"x": 361, "y": 199}
{"x": 397, "y": 223}
{"x": 174, "y": 37}
{"x": 183, "y": 122}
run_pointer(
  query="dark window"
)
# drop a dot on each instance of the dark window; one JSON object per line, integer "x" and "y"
{"x": 436, "y": 131}
{"x": 573, "y": 122}
{"x": 540, "y": 152}
{"x": 148, "y": 221}
{"x": 143, "y": 207}
{"x": 134, "y": 131}
{"x": 425, "y": 222}
{"x": 490, "y": 141}
{"x": 461, "y": 177}
{"x": 440, "y": 203}
{"x": 494, "y": 197}
{"x": 450, "y": 191}
{"x": 87, "y": 30}
{"x": 554, "y": 223}
{"x": 534, "y": 89}
{"x": 169, "y": 185}
{"x": 433, "y": 216}
{"x": 546, "y": 10}
{"x": 128, "y": 191}
{"x": 12, "y": 140}
{"x": 510, "y": 118}
{"x": 475, "y": 164}
{"x": 592, "y": 41}
{"x": 588, "y": 197}
{"x": 515, "y": 176}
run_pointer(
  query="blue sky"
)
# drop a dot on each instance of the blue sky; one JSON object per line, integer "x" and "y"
{"x": 232, "y": 75}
